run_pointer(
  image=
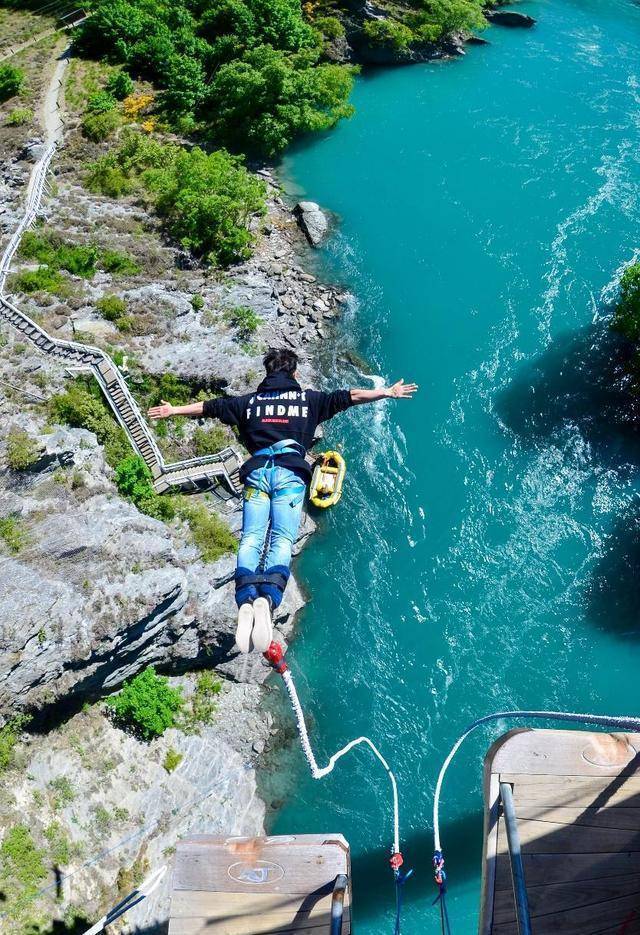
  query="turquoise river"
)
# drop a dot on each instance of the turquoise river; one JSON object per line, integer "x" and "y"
{"x": 486, "y": 554}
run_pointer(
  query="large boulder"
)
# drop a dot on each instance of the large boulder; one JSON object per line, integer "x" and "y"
{"x": 510, "y": 18}
{"x": 312, "y": 220}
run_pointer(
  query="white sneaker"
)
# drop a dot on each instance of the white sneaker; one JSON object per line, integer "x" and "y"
{"x": 244, "y": 627}
{"x": 262, "y": 626}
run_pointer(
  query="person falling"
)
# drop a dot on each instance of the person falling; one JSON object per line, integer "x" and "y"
{"x": 277, "y": 424}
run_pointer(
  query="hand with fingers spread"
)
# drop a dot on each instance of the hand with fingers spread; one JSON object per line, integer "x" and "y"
{"x": 402, "y": 390}
{"x": 163, "y": 411}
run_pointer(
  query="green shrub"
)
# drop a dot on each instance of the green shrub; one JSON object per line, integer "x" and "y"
{"x": 43, "y": 279}
{"x": 206, "y": 199}
{"x": 9, "y": 739}
{"x": 61, "y": 850}
{"x": 12, "y": 533}
{"x": 119, "y": 263}
{"x": 209, "y": 441}
{"x": 389, "y": 33}
{"x": 99, "y": 127}
{"x": 20, "y": 859}
{"x": 100, "y": 102}
{"x": 210, "y": 533}
{"x": 22, "y": 450}
{"x": 19, "y": 116}
{"x": 197, "y": 302}
{"x": 120, "y": 85}
{"x": 11, "y": 81}
{"x": 62, "y": 792}
{"x": 134, "y": 481}
{"x": 107, "y": 178}
{"x": 202, "y": 705}
{"x": 329, "y": 26}
{"x": 147, "y": 704}
{"x": 626, "y": 318}
{"x": 172, "y": 760}
{"x": 111, "y": 307}
{"x": 79, "y": 259}
{"x": 244, "y": 320}
{"x": 78, "y": 407}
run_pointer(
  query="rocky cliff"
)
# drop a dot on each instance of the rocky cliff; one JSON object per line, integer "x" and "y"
{"x": 93, "y": 590}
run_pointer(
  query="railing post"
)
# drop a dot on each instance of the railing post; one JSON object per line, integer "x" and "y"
{"x": 337, "y": 904}
{"x": 523, "y": 919}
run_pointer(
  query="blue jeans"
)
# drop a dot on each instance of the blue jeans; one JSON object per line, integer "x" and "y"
{"x": 272, "y": 495}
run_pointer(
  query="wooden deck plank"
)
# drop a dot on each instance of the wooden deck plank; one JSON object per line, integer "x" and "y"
{"x": 573, "y": 791}
{"x": 620, "y": 818}
{"x": 197, "y": 926}
{"x": 557, "y": 897}
{"x": 577, "y": 801}
{"x": 586, "y": 920}
{"x": 257, "y": 886}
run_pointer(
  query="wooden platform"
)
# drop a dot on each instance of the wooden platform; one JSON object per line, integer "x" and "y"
{"x": 577, "y": 803}
{"x": 254, "y": 886}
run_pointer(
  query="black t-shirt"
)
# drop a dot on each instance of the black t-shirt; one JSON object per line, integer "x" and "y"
{"x": 278, "y": 409}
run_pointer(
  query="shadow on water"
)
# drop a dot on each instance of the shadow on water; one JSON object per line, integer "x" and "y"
{"x": 612, "y": 596}
{"x": 373, "y": 890}
{"x": 581, "y": 378}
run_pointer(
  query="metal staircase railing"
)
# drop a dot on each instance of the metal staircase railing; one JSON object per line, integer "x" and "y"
{"x": 220, "y": 469}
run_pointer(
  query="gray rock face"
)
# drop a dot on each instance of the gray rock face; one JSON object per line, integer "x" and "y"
{"x": 312, "y": 221}
{"x": 98, "y": 591}
{"x": 122, "y": 801}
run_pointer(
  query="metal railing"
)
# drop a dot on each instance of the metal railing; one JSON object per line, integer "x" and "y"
{"x": 92, "y": 356}
{"x": 337, "y": 903}
{"x": 520, "y": 898}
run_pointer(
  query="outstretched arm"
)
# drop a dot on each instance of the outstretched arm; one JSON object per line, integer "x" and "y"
{"x": 166, "y": 410}
{"x": 399, "y": 390}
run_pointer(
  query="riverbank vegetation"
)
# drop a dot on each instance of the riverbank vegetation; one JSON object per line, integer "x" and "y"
{"x": 245, "y": 75}
{"x": 205, "y": 199}
{"x": 626, "y": 319}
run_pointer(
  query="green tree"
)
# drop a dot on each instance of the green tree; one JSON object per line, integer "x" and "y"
{"x": 147, "y": 704}
{"x": 11, "y": 81}
{"x": 262, "y": 102}
{"x": 626, "y": 318}
{"x": 207, "y": 200}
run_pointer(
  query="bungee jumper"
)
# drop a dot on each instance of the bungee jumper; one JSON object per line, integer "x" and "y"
{"x": 277, "y": 424}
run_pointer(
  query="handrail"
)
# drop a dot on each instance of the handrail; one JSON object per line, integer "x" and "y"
{"x": 520, "y": 898}
{"x": 92, "y": 355}
{"x": 337, "y": 903}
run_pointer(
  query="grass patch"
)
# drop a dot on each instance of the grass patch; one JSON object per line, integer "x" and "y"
{"x": 22, "y": 450}
{"x": 172, "y": 760}
{"x": 43, "y": 279}
{"x": 19, "y": 117}
{"x": 62, "y": 792}
{"x": 77, "y": 259}
{"x": 203, "y": 703}
{"x": 9, "y": 740}
{"x": 209, "y": 532}
{"x": 12, "y": 533}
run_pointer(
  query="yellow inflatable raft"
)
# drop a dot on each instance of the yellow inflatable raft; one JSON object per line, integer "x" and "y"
{"x": 327, "y": 480}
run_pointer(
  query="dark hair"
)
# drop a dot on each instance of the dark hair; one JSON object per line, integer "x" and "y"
{"x": 277, "y": 359}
